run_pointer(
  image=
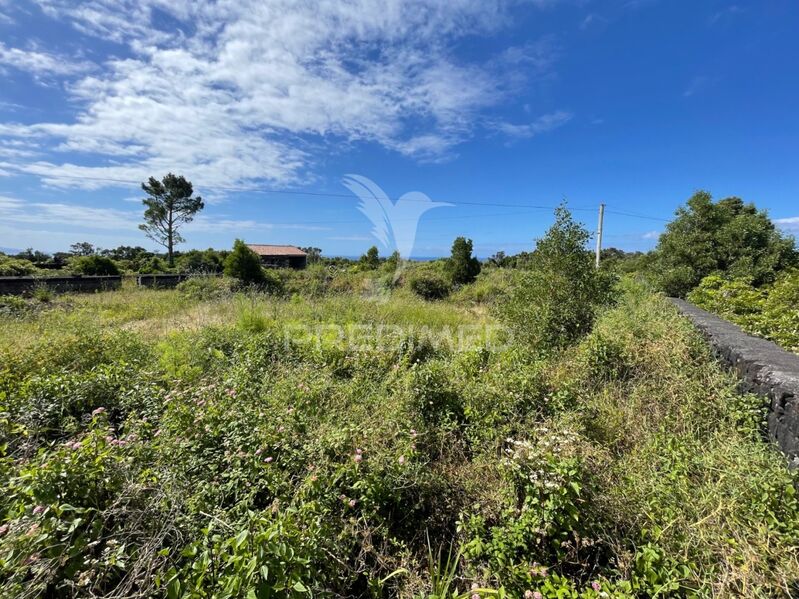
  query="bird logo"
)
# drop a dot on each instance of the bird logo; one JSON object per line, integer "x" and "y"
{"x": 394, "y": 224}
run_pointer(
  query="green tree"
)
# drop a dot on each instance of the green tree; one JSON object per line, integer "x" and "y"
{"x": 171, "y": 204}
{"x": 728, "y": 237}
{"x": 462, "y": 266}
{"x": 34, "y": 256}
{"x": 371, "y": 259}
{"x": 314, "y": 254}
{"x": 244, "y": 264}
{"x": 95, "y": 265}
{"x": 201, "y": 261}
{"x": 84, "y": 248}
{"x": 556, "y": 300}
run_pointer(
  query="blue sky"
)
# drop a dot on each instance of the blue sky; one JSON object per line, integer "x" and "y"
{"x": 519, "y": 104}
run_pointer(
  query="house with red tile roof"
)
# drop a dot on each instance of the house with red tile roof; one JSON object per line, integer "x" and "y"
{"x": 280, "y": 256}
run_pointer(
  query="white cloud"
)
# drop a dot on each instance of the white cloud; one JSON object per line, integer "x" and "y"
{"x": 542, "y": 124}
{"x": 13, "y": 210}
{"x": 789, "y": 224}
{"x": 41, "y": 64}
{"x": 651, "y": 235}
{"x": 726, "y": 14}
{"x": 235, "y": 92}
{"x": 351, "y": 238}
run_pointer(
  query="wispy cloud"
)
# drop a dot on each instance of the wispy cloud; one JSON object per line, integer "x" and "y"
{"x": 239, "y": 91}
{"x": 789, "y": 224}
{"x": 592, "y": 20}
{"x": 41, "y": 64}
{"x": 77, "y": 216}
{"x": 351, "y": 238}
{"x": 696, "y": 85}
{"x": 542, "y": 124}
{"x": 651, "y": 235}
{"x": 725, "y": 14}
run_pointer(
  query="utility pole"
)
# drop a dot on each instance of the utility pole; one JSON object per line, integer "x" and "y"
{"x": 599, "y": 232}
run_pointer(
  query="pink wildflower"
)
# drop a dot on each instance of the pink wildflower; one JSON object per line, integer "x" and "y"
{"x": 528, "y": 594}
{"x": 38, "y": 510}
{"x": 359, "y": 451}
{"x": 3, "y": 530}
{"x": 475, "y": 596}
{"x": 353, "y": 503}
{"x": 98, "y": 411}
{"x": 231, "y": 392}
{"x": 269, "y": 459}
{"x": 537, "y": 595}
{"x": 475, "y": 586}
{"x": 401, "y": 460}
{"x": 596, "y": 586}
{"x": 413, "y": 433}
{"x": 258, "y": 451}
{"x": 358, "y": 458}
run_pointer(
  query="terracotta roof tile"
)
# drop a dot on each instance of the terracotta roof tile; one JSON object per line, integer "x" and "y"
{"x": 275, "y": 250}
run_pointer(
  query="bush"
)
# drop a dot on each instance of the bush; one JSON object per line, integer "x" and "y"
{"x": 11, "y": 267}
{"x": 462, "y": 266}
{"x": 429, "y": 285}
{"x": 154, "y": 266}
{"x": 201, "y": 261}
{"x": 556, "y": 302}
{"x": 204, "y": 288}
{"x": 769, "y": 311}
{"x": 244, "y": 265}
{"x": 95, "y": 266}
{"x": 727, "y": 237}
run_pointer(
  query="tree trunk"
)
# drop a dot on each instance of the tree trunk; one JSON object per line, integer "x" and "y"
{"x": 171, "y": 259}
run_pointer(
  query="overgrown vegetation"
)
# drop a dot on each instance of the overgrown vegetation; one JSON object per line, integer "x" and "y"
{"x": 771, "y": 311}
{"x": 347, "y": 438}
{"x": 727, "y": 238}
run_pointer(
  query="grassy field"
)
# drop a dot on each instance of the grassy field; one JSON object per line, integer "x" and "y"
{"x": 373, "y": 444}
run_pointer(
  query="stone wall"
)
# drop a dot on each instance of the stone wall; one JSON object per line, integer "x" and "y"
{"x": 764, "y": 368}
{"x": 160, "y": 281}
{"x": 26, "y": 285}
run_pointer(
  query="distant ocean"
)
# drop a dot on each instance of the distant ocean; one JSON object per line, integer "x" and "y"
{"x": 413, "y": 258}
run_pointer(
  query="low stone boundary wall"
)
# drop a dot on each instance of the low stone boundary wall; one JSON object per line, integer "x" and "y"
{"x": 160, "y": 281}
{"x": 26, "y": 285}
{"x": 764, "y": 368}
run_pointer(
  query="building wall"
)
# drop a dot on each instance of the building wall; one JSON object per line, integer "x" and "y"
{"x": 296, "y": 262}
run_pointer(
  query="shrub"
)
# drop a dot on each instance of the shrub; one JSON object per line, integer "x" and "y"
{"x": 727, "y": 237}
{"x": 154, "y": 266}
{"x": 11, "y": 267}
{"x": 556, "y": 302}
{"x": 370, "y": 260}
{"x": 95, "y": 266}
{"x": 429, "y": 285}
{"x": 13, "y": 305}
{"x": 462, "y": 266}
{"x": 204, "y": 288}
{"x": 201, "y": 261}
{"x": 769, "y": 311}
{"x": 244, "y": 265}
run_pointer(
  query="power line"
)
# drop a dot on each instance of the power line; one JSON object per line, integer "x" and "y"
{"x": 636, "y": 215}
{"x": 324, "y": 194}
